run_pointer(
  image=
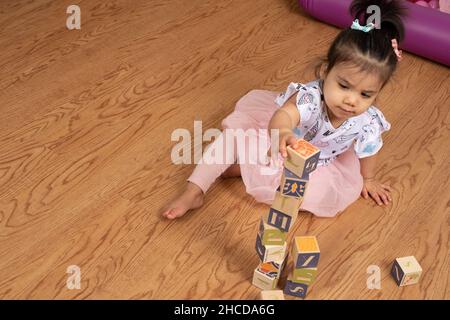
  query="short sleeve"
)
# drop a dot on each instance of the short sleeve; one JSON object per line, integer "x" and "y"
{"x": 308, "y": 102}
{"x": 369, "y": 140}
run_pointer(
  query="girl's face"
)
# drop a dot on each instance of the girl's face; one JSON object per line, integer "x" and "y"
{"x": 349, "y": 92}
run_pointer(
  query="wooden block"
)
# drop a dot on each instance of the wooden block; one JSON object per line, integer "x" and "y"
{"x": 269, "y": 252}
{"x": 266, "y": 275}
{"x": 280, "y": 220}
{"x": 292, "y": 186}
{"x": 406, "y": 271}
{"x": 272, "y": 295}
{"x": 295, "y": 289}
{"x": 304, "y": 275}
{"x": 287, "y": 205}
{"x": 271, "y": 235}
{"x": 306, "y": 252}
{"x": 302, "y": 158}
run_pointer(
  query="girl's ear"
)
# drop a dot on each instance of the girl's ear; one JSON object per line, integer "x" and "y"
{"x": 323, "y": 70}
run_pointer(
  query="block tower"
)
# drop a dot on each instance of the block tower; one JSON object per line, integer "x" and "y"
{"x": 271, "y": 245}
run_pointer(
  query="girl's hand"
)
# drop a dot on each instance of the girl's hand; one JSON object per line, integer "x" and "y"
{"x": 380, "y": 193}
{"x": 287, "y": 138}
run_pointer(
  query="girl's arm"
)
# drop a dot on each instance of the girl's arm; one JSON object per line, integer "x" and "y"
{"x": 285, "y": 119}
{"x": 379, "y": 192}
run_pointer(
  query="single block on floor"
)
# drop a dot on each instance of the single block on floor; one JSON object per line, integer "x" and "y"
{"x": 406, "y": 271}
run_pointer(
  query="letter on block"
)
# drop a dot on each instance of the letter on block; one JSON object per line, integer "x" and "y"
{"x": 304, "y": 275}
{"x": 306, "y": 252}
{"x": 270, "y": 253}
{"x": 287, "y": 205}
{"x": 292, "y": 186}
{"x": 270, "y": 235}
{"x": 279, "y": 219}
{"x": 272, "y": 295}
{"x": 406, "y": 271}
{"x": 295, "y": 289}
{"x": 266, "y": 275}
{"x": 303, "y": 158}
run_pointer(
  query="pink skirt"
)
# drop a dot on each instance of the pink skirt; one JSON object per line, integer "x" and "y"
{"x": 331, "y": 188}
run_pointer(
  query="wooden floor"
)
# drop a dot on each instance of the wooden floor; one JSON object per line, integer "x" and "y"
{"x": 85, "y": 142}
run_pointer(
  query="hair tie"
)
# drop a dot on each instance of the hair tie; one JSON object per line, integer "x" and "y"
{"x": 366, "y": 28}
{"x": 398, "y": 52}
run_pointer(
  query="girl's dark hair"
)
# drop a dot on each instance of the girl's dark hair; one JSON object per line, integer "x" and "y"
{"x": 370, "y": 51}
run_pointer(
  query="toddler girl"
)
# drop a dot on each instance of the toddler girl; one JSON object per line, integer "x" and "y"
{"x": 335, "y": 113}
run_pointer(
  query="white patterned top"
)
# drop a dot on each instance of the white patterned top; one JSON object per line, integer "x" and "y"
{"x": 362, "y": 131}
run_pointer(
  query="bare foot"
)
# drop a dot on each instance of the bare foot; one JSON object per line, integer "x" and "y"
{"x": 191, "y": 198}
{"x": 233, "y": 171}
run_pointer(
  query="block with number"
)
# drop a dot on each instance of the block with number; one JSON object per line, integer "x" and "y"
{"x": 280, "y": 220}
{"x": 272, "y": 295}
{"x": 303, "y": 158}
{"x": 295, "y": 289}
{"x": 267, "y": 253}
{"x": 266, "y": 275}
{"x": 306, "y": 252}
{"x": 406, "y": 271}
{"x": 271, "y": 235}
{"x": 292, "y": 186}
{"x": 304, "y": 275}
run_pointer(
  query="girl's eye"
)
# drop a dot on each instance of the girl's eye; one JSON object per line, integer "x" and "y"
{"x": 365, "y": 95}
{"x": 343, "y": 86}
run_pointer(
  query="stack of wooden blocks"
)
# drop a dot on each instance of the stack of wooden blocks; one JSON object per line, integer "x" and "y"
{"x": 271, "y": 245}
{"x": 306, "y": 258}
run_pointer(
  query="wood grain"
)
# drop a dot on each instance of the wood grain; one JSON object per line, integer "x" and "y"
{"x": 85, "y": 125}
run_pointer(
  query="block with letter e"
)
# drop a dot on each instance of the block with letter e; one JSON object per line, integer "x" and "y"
{"x": 304, "y": 275}
{"x": 302, "y": 158}
{"x": 306, "y": 252}
{"x": 280, "y": 220}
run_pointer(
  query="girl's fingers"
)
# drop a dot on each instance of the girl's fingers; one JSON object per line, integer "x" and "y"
{"x": 364, "y": 193}
{"x": 384, "y": 198}
{"x": 376, "y": 197}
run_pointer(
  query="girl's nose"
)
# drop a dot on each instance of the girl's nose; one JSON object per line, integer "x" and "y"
{"x": 350, "y": 101}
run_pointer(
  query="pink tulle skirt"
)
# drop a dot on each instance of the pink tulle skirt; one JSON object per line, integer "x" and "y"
{"x": 331, "y": 188}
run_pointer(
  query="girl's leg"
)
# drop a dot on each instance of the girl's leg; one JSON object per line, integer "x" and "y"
{"x": 204, "y": 175}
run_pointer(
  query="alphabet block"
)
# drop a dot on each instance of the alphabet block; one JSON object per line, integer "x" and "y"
{"x": 272, "y": 295}
{"x": 304, "y": 275}
{"x": 279, "y": 219}
{"x": 292, "y": 186}
{"x": 303, "y": 158}
{"x": 406, "y": 271}
{"x": 270, "y": 252}
{"x": 306, "y": 252}
{"x": 266, "y": 275}
{"x": 287, "y": 205}
{"x": 295, "y": 289}
{"x": 271, "y": 235}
